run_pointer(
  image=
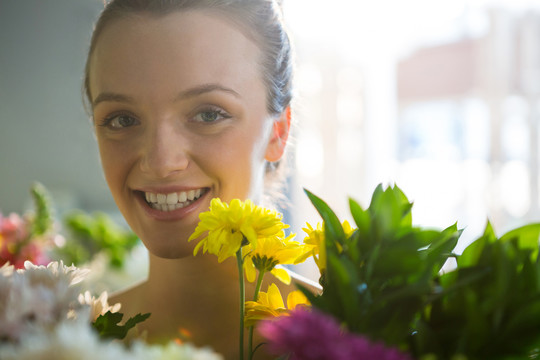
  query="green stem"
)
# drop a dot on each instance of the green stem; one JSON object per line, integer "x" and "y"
{"x": 257, "y": 289}
{"x": 258, "y": 286}
{"x": 240, "y": 262}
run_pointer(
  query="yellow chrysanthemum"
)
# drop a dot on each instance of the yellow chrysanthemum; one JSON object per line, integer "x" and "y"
{"x": 270, "y": 304}
{"x": 315, "y": 238}
{"x": 270, "y": 252}
{"x": 229, "y": 227}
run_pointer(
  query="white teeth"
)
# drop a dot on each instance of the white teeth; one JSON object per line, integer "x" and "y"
{"x": 172, "y": 198}
{"x": 182, "y": 197}
{"x": 168, "y": 207}
{"x": 161, "y": 198}
{"x": 172, "y": 201}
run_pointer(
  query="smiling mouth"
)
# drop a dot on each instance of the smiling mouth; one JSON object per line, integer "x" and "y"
{"x": 173, "y": 201}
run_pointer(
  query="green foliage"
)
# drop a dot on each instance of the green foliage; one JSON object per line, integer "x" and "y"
{"x": 385, "y": 282}
{"x": 43, "y": 217}
{"x": 108, "y": 327}
{"x": 489, "y": 306}
{"x": 91, "y": 234}
{"x": 378, "y": 280}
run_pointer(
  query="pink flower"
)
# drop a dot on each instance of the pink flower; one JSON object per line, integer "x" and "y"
{"x": 13, "y": 228}
{"x": 16, "y": 246}
{"x": 312, "y": 335}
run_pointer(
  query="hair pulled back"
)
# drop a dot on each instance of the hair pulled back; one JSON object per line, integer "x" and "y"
{"x": 261, "y": 19}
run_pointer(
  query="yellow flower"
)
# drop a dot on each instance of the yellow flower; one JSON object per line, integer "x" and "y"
{"x": 272, "y": 251}
{"x": 315, "y": 238}
{"x": 270, "y": 304}
{"x": 229, "y": 227}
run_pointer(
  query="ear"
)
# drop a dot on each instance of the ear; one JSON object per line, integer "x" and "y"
{"x": 280, "y": 134}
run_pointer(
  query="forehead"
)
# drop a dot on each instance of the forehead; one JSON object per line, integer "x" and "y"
{"x": 182, "y": 48}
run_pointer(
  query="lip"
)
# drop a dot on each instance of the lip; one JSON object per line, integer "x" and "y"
{"x": 169, "y": 215}
{"x": 167, "y": 189}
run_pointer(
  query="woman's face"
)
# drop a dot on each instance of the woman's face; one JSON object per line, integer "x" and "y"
{"x": 180, "y": 117}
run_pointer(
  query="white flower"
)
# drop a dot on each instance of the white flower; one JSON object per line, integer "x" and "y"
{"x": 173, "y": 351}
{"x": 99, "y": 306}
{"x": 75, "y": 340}
{"x": 6, "y": 269}
{"x": 43, "y": 315}
{"x": 37, "y": 297}
{"x": 69, "y": 340}
{"x": 54, "y": 272}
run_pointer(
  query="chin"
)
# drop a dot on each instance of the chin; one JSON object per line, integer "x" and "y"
{"x": 170, "y": 249}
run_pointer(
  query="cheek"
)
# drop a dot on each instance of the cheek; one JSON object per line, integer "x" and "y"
{"x": 238, "y": 164}
{"x": 113, "y": 161}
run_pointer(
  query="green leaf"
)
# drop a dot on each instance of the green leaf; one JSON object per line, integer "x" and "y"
{"x": 462, "y": 277}
{"x": 43, "y": 218}
{"x": 489, "y": 233}
{"x": 471, "y": 255}
{"x": 390, "y": 211}
{"x": 527, "y": 237}
{"x": 360, "y": 216}
{"x": 108, "y": 327}
{"x": 92, "y": 234}
{"x": 441, "y": 248}
{"x": 398, "y": 261}
{"x": 331, "y": 222}
{"x": 342, "y": 276}
{"x": 136, "y": 319}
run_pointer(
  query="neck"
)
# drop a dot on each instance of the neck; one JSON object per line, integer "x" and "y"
{"x": 191, "y": 276}
{"x": 193, "y": 292}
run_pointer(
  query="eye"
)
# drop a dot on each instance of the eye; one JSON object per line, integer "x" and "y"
{"x": 117, "y": 122}
{"x": 211, "y": 115}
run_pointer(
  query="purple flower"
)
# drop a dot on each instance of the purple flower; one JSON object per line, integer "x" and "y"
{"x": 312, "y": 335}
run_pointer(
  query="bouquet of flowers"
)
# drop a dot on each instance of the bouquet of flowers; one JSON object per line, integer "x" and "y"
{"x": 384, "y": 281}
{"x": 256, "y": 237}
{"x": 28, "y": 237}
{"x": 384, "y": 294}
{"x": 45, "y": 314}
{"x": 82, "y": 239}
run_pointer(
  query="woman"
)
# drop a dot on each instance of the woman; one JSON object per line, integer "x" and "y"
{"x": 190, "y": 101}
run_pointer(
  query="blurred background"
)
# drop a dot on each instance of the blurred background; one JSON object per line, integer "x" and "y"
{"x": 441, "y": 97}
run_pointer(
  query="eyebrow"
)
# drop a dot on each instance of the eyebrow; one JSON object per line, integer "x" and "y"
{"x": 205, "y": 88}
{"x": 186, "y": 94}
{"x": 113, "y": 97}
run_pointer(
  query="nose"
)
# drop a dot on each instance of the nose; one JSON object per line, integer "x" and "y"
{"x": 164, "y": 152}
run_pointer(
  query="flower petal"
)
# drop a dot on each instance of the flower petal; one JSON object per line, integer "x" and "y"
{"x": 274, "y": 297}
{"x": 282, "y": 275}
{"x": 296, "y": 298}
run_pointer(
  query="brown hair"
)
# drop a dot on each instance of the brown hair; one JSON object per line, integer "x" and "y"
{"x": 263, "y": 19}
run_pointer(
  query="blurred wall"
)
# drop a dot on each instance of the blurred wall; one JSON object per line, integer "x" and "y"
{"x": 45, "y": 133}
